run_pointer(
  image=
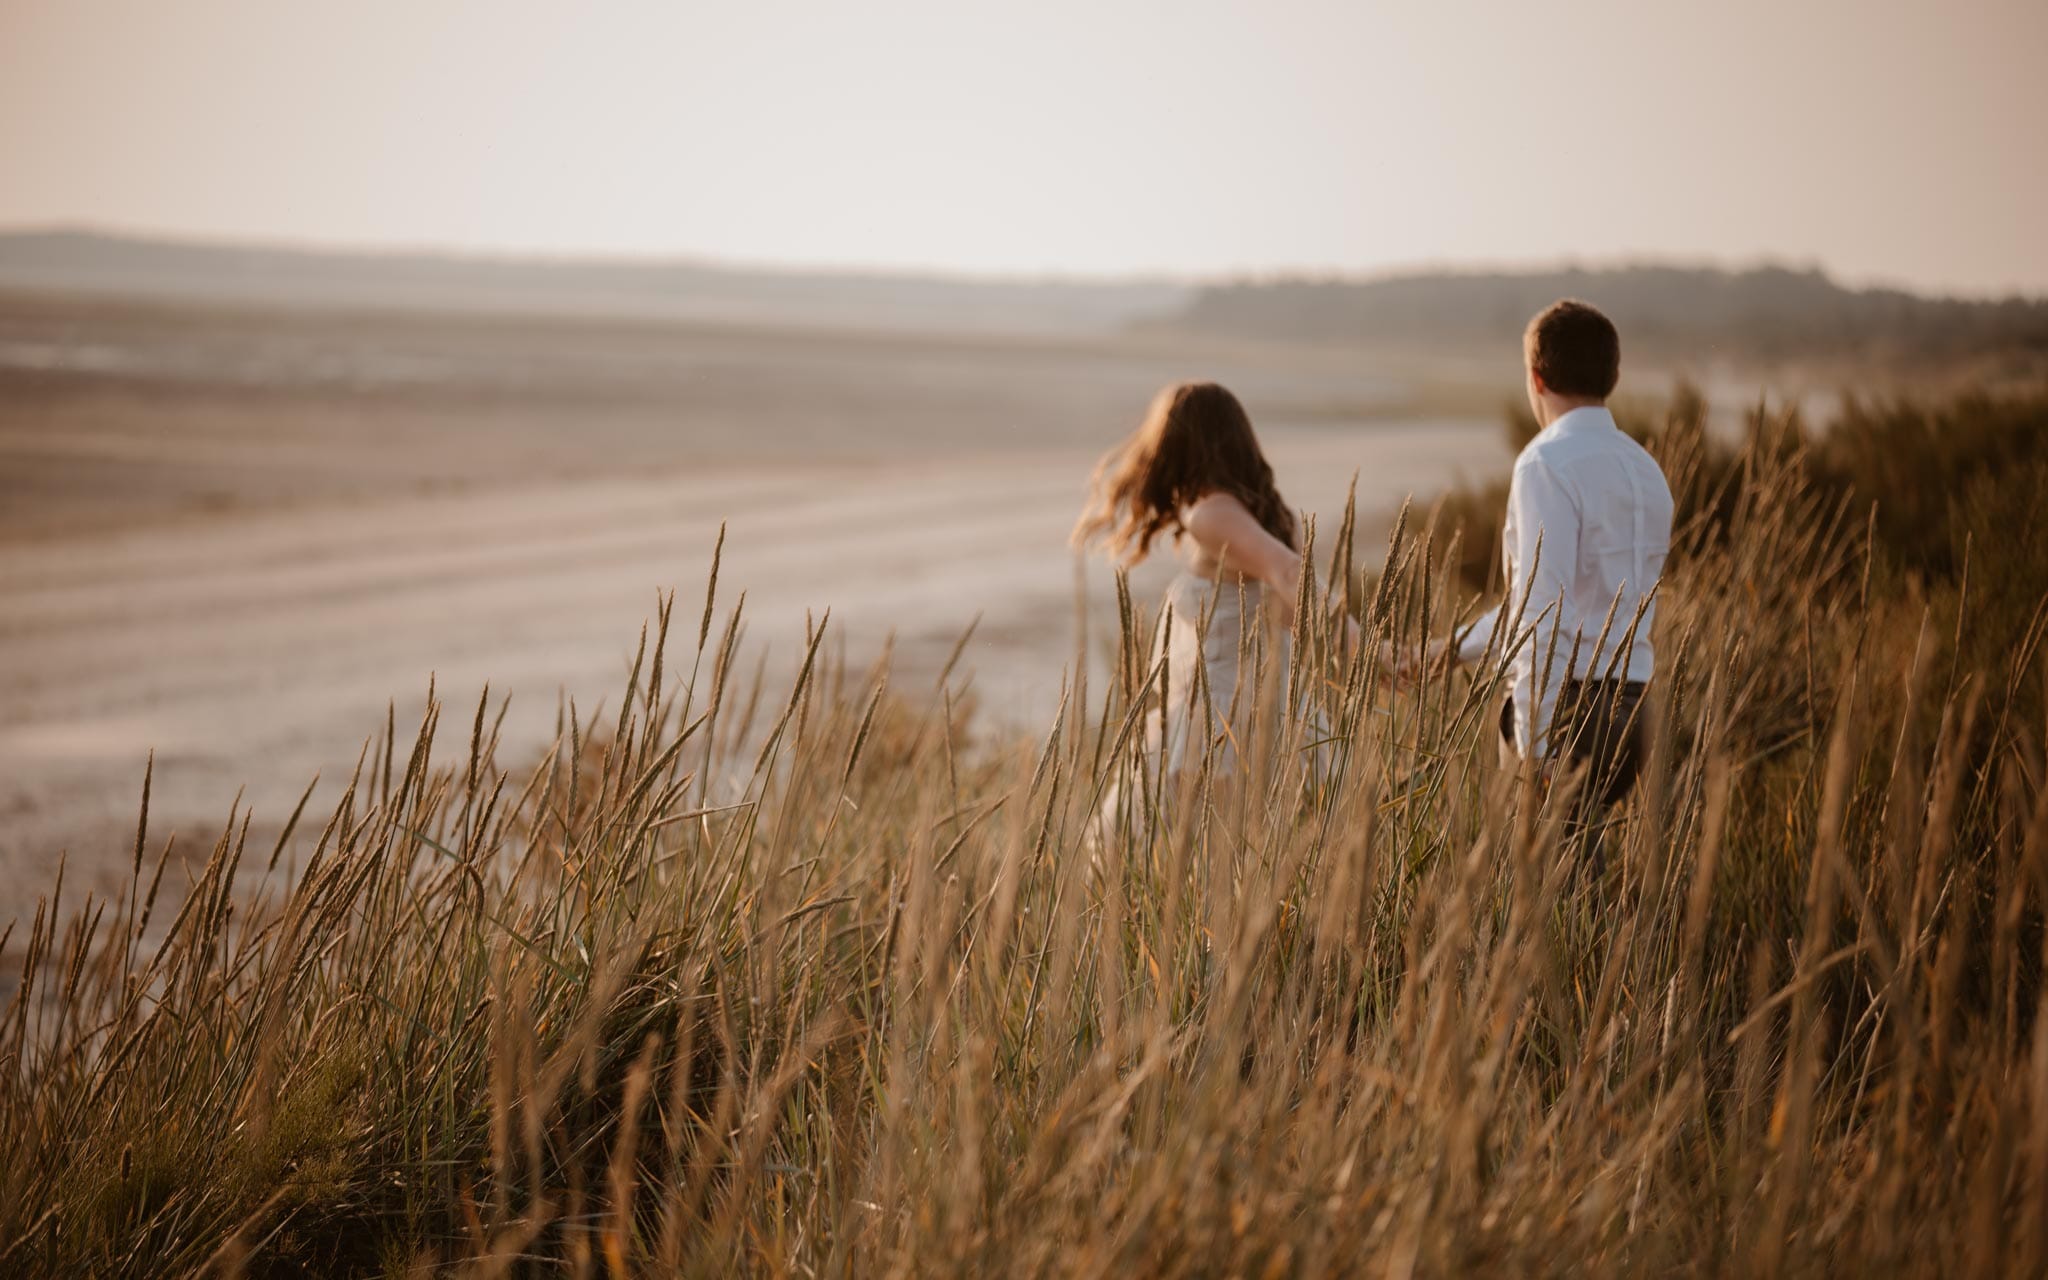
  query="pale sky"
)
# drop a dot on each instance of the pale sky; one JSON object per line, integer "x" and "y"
{"x": 1901, "y": 141}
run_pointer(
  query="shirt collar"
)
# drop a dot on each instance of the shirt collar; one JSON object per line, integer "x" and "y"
{"x": 1590, "y": 417}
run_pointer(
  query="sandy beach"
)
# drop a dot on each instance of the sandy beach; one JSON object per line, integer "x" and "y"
{"x": 236, "y": 538}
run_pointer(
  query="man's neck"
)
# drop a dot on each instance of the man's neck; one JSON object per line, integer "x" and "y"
{"x": 1555, "y": 407}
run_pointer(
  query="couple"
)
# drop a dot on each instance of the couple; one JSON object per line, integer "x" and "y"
{"x": 1587, "y": 530}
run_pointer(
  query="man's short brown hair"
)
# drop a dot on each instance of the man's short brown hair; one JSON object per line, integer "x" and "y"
{"x": 1574, "y": 350}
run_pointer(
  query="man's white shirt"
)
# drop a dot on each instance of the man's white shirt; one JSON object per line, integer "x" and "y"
{"x": 1599, "y": 505}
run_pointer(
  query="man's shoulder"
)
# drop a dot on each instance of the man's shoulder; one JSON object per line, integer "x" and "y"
{"x": 1545, "y": 452}
{"x": 1642, "y": 459}
{"x": 1562, "y": 454}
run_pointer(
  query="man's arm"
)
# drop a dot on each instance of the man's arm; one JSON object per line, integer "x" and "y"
{"x": 1546, "y": 520}
{"x": 1471, "y": 644}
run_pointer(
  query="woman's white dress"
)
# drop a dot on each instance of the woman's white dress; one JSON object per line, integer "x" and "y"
{"x": 1225, "y": 660}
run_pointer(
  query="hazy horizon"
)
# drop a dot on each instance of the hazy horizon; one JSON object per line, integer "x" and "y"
{"x": 543, "y": 257}
{"x": 1891, "y": 144}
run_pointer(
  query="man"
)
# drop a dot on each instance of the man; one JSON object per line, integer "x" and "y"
{"x": 1588, "y": 527}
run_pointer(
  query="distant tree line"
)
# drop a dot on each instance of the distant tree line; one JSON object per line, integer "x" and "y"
{"x": 1766, "y": 313}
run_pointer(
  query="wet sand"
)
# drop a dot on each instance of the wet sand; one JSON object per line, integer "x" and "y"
{"x": 235, "y": 538}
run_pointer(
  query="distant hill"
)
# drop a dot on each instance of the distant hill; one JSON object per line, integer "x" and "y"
{"x": 73, "y": 262}
{"x": 1764, "y": 314}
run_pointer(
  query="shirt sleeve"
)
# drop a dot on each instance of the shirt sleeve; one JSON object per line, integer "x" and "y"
{"x": 1476, "y": 639}
{"x": 1542, "y": 510}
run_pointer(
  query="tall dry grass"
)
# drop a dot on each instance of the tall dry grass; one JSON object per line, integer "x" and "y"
{"x": 794, "y": 979}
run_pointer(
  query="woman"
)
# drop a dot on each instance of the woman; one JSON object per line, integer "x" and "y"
{"x": 1194, "y": 468}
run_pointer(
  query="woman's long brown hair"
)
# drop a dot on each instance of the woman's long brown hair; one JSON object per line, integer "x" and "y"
{"x": 1195, "y": 440}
